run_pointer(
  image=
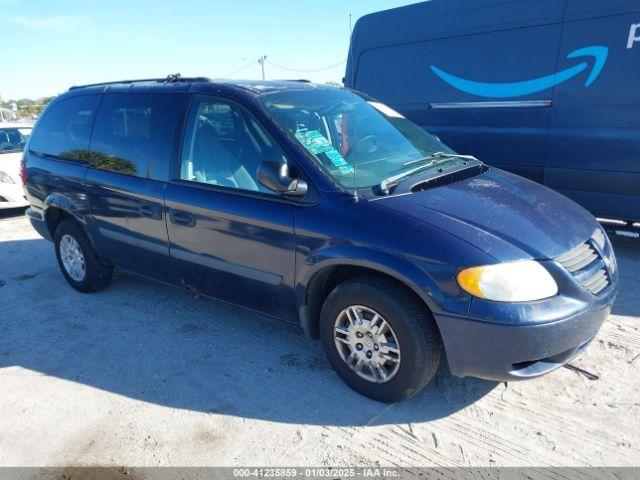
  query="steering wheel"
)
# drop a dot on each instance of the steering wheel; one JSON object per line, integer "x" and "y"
{"x": 370, "y": 141}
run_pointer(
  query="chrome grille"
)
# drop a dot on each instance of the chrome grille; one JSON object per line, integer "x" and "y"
{"x": 586, "y": 264}
{"x": 597, "y": 282}
{"x": 578, "y": 258}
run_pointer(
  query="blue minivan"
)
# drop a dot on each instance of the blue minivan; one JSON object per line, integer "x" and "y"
{"x": 322, "y": 206}
{"x": 547, "y": 89}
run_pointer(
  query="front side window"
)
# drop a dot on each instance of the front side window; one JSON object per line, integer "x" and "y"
{"x": 134, "y": 133}
{"x": 13, "y": 139}
{"x": 224, "y": 145}
{"x": 347, "y": 133}
{"x": 65, "y": 127}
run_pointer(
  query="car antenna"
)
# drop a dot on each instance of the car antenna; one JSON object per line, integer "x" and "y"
{"x": 353, "y": 119}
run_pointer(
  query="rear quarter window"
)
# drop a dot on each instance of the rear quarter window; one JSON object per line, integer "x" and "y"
{"x": 65, "y": 128}
{"x": 134, "y": 134}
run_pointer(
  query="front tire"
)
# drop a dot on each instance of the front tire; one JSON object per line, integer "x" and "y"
{"x": 380, "y": 339}
{"x": 78, "y": 261}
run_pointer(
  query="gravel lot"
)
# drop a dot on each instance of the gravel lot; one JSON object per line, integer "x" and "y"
{"x": 143, "y": 374}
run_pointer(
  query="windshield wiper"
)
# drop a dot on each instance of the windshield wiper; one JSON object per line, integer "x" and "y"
{"x": 439, "y": 155}
{"x": 432, "y": 160}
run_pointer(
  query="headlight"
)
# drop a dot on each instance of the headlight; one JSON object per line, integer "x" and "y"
{"x": 521, "y": 281}
{"x": 4, "y": 178}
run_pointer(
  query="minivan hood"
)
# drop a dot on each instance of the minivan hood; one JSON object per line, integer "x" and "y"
{"x": 506, "y": 216}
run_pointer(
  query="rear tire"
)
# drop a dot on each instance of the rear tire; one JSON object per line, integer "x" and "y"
{"x": 379, "y": 301}
{"x": 78, "y": 261}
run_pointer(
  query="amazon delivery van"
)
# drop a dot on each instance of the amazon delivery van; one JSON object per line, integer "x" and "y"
{"x": 548, "y": 89}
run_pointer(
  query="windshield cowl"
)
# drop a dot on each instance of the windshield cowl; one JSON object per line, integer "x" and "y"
{"x": 436, "y": 176}
{"x": 424, "y": 164}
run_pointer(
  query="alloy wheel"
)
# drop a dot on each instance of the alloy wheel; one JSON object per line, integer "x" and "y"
{"x": 367, "y": 343}
{"x": 72, "y": 258}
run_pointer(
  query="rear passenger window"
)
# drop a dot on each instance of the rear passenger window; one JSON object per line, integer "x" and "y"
{"x": 65, "y": 128}
{"x": 134, "y": 134}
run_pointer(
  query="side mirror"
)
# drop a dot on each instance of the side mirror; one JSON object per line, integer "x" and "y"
{"x": 275, "y": 176}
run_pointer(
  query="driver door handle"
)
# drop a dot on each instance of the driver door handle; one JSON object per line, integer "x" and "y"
{"x": 180, "y": 217}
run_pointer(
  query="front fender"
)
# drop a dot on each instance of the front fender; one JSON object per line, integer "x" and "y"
{"x": 424, "y": 278}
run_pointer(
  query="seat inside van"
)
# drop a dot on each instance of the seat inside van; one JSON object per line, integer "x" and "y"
{"x": 225, "y": 148}
{"x": 213, "y": 163}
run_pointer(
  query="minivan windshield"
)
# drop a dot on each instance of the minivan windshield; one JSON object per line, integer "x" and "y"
{"x": 13, "y": 139}
{"x": 346, "y": 131}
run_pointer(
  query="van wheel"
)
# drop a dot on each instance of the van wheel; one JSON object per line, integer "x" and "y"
{"x": 380, "y": 340}
{"x": 78, "y": 261}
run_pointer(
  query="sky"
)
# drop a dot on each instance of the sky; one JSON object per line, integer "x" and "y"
{"x": 49, "y": 45}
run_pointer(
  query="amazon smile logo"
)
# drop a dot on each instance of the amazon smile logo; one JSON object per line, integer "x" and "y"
{"x": 527, "y": 87}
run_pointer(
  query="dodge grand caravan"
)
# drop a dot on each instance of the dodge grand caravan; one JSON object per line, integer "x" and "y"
{"x": 320, "y": 205}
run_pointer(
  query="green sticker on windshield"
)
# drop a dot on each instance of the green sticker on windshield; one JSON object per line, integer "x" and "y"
{"x": 336, "y": 158}
{"x": 346, "y": 170}
{"x": 318, "y": 144}
{"x": 313, "y": 141}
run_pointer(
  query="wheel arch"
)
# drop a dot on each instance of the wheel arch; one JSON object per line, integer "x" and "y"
{"x": 57, "y": 208}
{"x": 324, "y": 271}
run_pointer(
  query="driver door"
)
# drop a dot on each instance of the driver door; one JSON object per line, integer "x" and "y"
{"x": 231, "y": 238}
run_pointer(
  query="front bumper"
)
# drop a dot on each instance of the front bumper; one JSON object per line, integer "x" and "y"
{"x": 511, "y": 341}
{"x": 513, "y": 352}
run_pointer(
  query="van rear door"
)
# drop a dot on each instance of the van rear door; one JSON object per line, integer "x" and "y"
{"x": 594, "y": 142}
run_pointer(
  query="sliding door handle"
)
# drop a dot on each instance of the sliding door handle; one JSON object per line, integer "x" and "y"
{"x": 151, "y": 211}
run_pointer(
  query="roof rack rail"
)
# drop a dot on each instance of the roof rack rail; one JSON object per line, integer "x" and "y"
{"x": 302, "y": 80}
{"x": 173, "y": 78}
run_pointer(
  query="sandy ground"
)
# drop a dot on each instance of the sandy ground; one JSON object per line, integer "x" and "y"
{"x": 143, "y": 374}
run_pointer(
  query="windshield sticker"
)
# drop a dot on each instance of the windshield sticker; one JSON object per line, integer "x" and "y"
{"x": 336, "y": 158}
{"x": 25, "y": 131}
{"x": 317, "y": 144}
{"x": 346, "y": 170}
{"x": 313, "y": 141}
{"x": 388, "y": 111}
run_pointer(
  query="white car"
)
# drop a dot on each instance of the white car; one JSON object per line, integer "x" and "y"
{"x": 13, "y": 137}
